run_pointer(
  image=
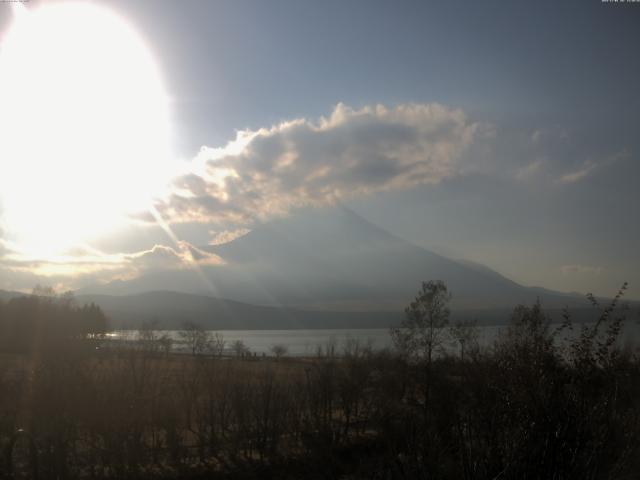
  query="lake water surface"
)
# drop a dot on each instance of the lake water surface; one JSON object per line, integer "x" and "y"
{"x": 307, "y": 342}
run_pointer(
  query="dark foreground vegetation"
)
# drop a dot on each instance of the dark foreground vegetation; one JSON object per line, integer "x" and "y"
{"x": 535, "y": 405}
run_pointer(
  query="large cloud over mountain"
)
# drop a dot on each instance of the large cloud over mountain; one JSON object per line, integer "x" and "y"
{"x": 352, "y": 152}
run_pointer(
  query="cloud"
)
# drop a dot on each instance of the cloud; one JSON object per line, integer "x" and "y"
{"x": 353, "y": 152}
{"x": 158, "y": 257}
{"x": 530, "y": 170}
{"x": 83, "y": 266}
{"x": 554, "y": 133}
{"x": 83, "y": 251}
{"x": 64, "y": 273}
{"x": 162, "y": 257}
{"x": 580, "y": 270}
{"x": 579, "y": 174}
{"x": 226, "y": 236}
{"x": 589, "y": 166}
{"x": 548, "y": 165}
{"x": 4, "y": 246}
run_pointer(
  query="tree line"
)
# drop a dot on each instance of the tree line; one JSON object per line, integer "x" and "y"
{"x": 538, "y": 403}
{"x": 42, "y": 320}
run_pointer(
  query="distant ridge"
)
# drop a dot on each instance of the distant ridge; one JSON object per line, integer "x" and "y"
{"x": 6, "y": 295}
{"x": 168, "y": 310}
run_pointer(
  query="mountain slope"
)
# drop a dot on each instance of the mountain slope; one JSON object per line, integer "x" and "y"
{"x": 333, "y": 259}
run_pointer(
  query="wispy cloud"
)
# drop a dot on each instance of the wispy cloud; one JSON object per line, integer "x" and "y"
{"x": 4, "y": 249}
{"x": 590, "y": 166}
{"x": 530, "y": 170}
{"x": 226, "y": 236}
{"x": 162, "y": 257}
{"x": 265, "y": 173}
{"x": 579, "y": 174}
{"x": 555, "y": 133}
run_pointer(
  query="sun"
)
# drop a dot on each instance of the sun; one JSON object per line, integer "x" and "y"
{"x": 84, "y": 125}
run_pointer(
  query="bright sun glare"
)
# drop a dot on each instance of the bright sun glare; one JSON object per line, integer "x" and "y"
{"x": 83, "y": 125}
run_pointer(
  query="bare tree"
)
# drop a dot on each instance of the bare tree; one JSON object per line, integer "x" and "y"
{"x": 279, "y": 350}
{"x": 148, "y": 336}
{"x": 165, "y": 343}
{"x": 217, "y": 344}
{"x": 197, "y": 339}
{"x": 466, "y": 334}
{"x": 43, "y": 291}
{"x": 239, "y": 348}
{"x": 422, "y": 330}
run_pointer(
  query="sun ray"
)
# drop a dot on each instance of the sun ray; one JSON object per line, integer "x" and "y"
{"x": 176, "y": 241}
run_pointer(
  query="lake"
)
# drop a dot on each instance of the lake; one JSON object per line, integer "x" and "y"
{"x": 306, "y": 342}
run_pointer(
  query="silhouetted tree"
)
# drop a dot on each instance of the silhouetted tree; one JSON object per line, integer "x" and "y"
{"x": 217, "y": 344}
{"x": 239, "y": 348}
{"x": 422, "y": 330}
{"x": 44, "y": 319}
{"x": 466, "y": 334}
{"x": 197, "y": 339}
{"x": 279, "y": 350}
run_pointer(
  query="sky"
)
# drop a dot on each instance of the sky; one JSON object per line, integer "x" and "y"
{"x": 500, "y": 132}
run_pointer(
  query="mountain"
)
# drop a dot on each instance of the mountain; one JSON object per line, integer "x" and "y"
{"x": 333, "y": 258}
{"x": 320, "y": 261}
{"x": 170, "y": 309}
